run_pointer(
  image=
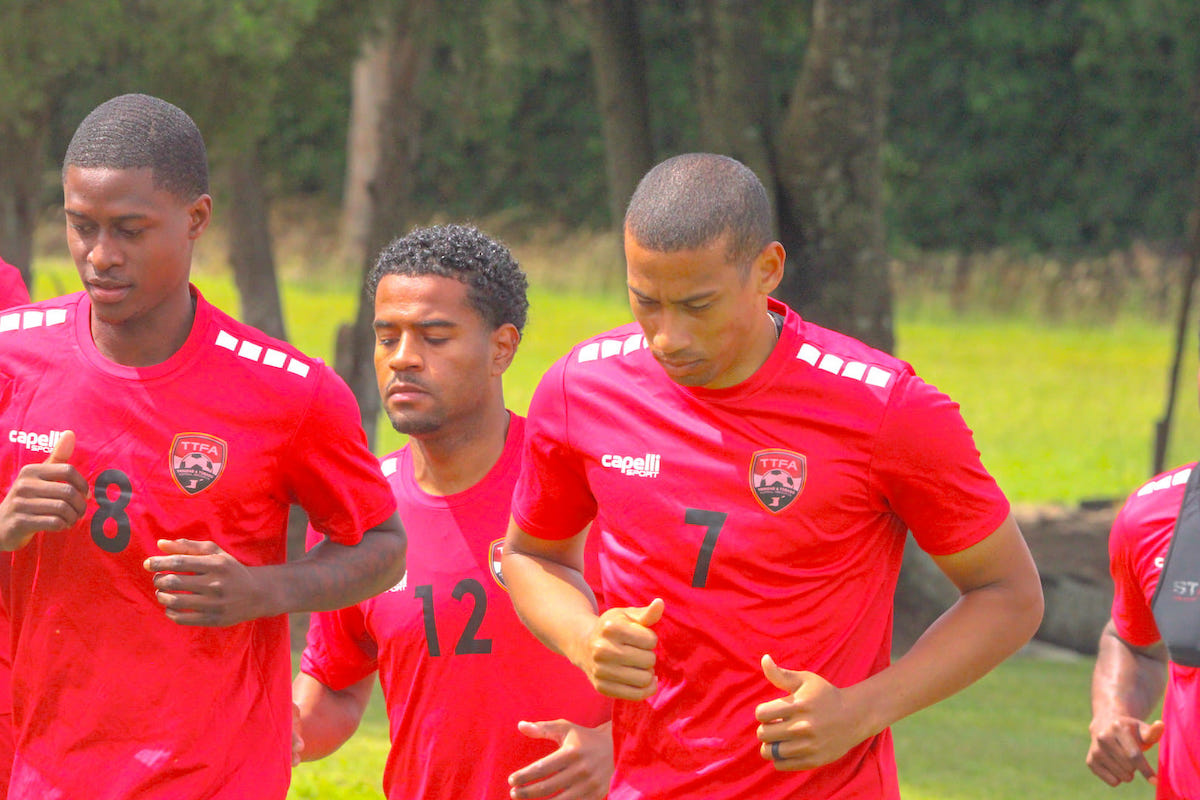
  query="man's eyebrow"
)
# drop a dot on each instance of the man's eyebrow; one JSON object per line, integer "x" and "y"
{"x": 704, "y": 295}
{"x": 428, "y": 323}
{"x": 123, "y": 218}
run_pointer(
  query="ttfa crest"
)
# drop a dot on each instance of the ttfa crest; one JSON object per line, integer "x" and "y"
{"x": 777, "y": 478}
{"x": 197, "y": 460}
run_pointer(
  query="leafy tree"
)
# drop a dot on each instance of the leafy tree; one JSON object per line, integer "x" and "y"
{"x": 44, "y": 45}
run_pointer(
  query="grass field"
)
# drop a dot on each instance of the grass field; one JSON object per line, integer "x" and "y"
{"x": 1062, "y": 412}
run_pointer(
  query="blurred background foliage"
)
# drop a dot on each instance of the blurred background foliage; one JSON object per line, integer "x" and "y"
{"x": 1064, "y": 125}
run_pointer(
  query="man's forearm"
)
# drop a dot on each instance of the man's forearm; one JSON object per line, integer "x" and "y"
{"x": 1126, "y": 681}
{"x": 333, "y": 576}
{"x": 328, "y": 718}
{"x": 554, "y": 601}
{"x": 978, "y": 632}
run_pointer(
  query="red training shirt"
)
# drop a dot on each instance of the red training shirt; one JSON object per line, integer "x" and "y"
{"x": 112, "y": 699}
{"x": 770, "y": 517}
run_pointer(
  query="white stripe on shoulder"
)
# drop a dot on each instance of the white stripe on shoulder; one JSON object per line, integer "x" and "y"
{"x": 24, "y": 320}
{"x": 606, "y": 348}
{"x": 388, "y": 466}
{"x": 870, "y": 374}
{"x": 1166, "y": 481}
{"x": 267, "y": 356}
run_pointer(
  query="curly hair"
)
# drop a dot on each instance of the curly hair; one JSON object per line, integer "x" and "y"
{"x": 691, "y": 200}
{"x": 136, "y": 131}
{"x": 496, "y": 286}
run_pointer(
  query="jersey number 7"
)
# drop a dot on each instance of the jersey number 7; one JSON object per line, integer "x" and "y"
{"x": 713, "y": 521}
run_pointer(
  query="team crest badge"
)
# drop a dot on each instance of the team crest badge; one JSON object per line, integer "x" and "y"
{"x": 777, "y": 478}
{"x": 494, "y": 554}
{"x": 196, "y": 461}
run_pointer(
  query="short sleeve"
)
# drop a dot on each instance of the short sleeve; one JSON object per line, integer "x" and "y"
{"x": 331, "y": 471}
{"x": 552, "y": 499}
{"x": 930, "y": 471}
{"x": 1132, "y": 616}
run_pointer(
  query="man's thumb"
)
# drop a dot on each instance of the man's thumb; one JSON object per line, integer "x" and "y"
{"x": 553, "y": 729}
{"x": 1151, "y": 733}
{"x": 647, "y": 615}
{"x": 63, "y": 448}
{"x": 786, "y": 679}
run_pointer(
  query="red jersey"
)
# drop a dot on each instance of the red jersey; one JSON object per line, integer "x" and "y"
{"x": 1137, "y": 549}
{"x": 770, "y": 517}
{"x": 12, "y": 287}
{"x": 112, "y": 699}
{"x": 458, "y": 668}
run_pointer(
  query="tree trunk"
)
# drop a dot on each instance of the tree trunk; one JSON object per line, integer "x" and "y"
{"x": 830, "y": 173}
{"x": 619, "y": 67}
{"x": 250, "y": 252}
{"x": 369, "y": 91}
{"x": 23, "y": 143}
{"x": 732, "y": 92}
{"x": 395, "y": 57}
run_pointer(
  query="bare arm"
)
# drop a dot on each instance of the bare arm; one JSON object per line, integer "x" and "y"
{"x": 1127, "y": 684}
{"x": 200, "y": 584}
{"x": 615, "y": 649}
{"x": 328, "y": 718}
{"x": 998, "y": 611}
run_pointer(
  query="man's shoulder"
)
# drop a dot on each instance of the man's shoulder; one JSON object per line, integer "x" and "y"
{"x": 843, "y": 355}
{"x": 1153, "y": 506}
{"x": 251, "y": 349}
{"x": 1166, "y": 488}
{"x": 609, "y": 349}
{"x": 35, "y": 322}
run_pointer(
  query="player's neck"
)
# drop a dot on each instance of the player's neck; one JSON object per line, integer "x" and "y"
{"x": 460, "y": 456}
{"x": 146, "y": 339}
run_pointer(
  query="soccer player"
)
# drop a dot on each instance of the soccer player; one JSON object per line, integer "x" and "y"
{"x": 752, "y": 477}
{"x": 151, "y": 449}
{"x": 472, "y": 698}
{"x": 1133, "y": 666}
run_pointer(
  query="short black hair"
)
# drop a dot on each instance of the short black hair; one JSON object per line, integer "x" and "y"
{"x": 496, "y": 286}
{"x": 693, "y": 199}
{"x": 136, "y": 131}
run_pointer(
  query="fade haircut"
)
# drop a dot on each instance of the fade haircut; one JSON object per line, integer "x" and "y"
{"x": 136, "y": 131}
{"x": 691, "y": 200}
{"x": 496, "y": 286}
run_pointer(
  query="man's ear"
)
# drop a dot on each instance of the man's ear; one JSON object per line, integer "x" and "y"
{"x": 199, "y": 215}
{"x": 504, "y": 347}
{"x": 767, "y": 269}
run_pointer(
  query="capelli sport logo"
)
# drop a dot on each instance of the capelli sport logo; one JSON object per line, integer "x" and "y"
{"x": 36, "y": 442}
{"x": 197, "y": 460}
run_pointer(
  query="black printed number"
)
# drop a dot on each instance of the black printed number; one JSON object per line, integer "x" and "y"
{"x": 713, "y": 521}
{"x": 110, "y": 524}
{"x": 468, "y": 644}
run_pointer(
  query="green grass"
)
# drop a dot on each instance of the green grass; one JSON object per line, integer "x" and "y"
{"x": 1019, "y": 733}
{"x": 1060, "y": 413}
